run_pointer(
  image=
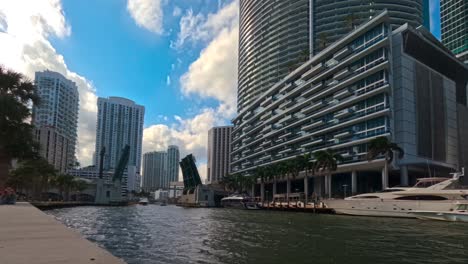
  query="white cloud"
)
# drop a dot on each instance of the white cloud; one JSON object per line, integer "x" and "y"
{"x": 198, "y": 27}
{"x": 168, "y": 80}
{"x": 191, "y": 135}
{"x": 24, "y": 47}
{"x": 177, "y": 11}
{"x": 214, "y": 73}
{"x": 147, "y": 14}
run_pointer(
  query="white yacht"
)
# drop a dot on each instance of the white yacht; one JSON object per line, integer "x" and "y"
{"x": 429, "y": 194}
{"x": 458, "y": 214}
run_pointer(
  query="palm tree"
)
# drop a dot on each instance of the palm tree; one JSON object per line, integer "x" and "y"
{"x": 327, "y": 161}
{"x": 382, "y": 146}
{"x": 322, "y": 40}
{"x": 16, "y": 138}
{"x": 351, "y": 20}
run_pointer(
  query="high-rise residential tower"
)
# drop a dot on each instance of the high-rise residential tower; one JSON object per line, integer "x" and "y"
{"x": 219, "y": 149}
{"x": 454, "y": 27}
{"x": 119, "y": 123}
{"x": 58, "y": 111}
{"x": 154, "y": 170}
{"x": 275, "y": 37}
{"x": 173, "y": 158}
{"x": 334, "y": 18}
{"x": 375, "y": 81}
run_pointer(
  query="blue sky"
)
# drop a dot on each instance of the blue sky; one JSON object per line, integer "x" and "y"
{"x": 178, "y": 58}
{"x": 125, "y": 60}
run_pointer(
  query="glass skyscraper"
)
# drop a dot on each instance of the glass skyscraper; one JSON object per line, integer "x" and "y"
{"x": 454, "y": 27}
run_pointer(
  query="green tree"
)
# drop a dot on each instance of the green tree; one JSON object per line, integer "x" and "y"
{"x": 327, "y": 162}
{"x": 16, "y": 138}
{"x": 33, "y": 176}
{"x": 382, "y": 146}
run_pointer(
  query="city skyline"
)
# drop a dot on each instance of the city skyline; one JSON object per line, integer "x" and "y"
{"x": 188, "y": 32}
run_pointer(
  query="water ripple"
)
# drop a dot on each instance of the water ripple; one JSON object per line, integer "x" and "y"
{"x": 155, "y": 234}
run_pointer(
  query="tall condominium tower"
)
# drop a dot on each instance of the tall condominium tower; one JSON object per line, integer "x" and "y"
{"x": 58, "y": 111}
{"x": 275, "y": 37}
{"x": 454, "y": 20}
{"x": 173, "y": 158}
{"x": 373, "y": 82}
{"x": 334, "y": 18}
{"x": 219, "y": 149}
{"x": 119, "y": 123}
{"x": 154, "y": 170}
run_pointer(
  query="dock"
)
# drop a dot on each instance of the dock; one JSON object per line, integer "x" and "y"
{"x": 28, "y": 235}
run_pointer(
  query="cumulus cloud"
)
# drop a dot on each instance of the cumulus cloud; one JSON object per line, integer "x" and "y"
{"x": 24, "y": 47}
{"x": 168, "y": 80}
{"x": 214, "y": 73}
{"x": 147, "y": 14}
{"x": 198, "y": 27}
{"x": 191, "y": 135}
{"x": 177, "y": 11}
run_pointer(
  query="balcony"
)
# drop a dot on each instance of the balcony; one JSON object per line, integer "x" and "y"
{"x": 342, "y": 53}
{"x": 344, "y": 113}
{"x": 313, "y": 107}
{"x": 313, "y": 89}
{"x": 314, "y": 70}
{"x": 342, "y": 94}
{"x": 314, "y": 125}
{"x": 343, "y": 134}
{"x": 342, "y": 74}
{"x": 314, "y": 142}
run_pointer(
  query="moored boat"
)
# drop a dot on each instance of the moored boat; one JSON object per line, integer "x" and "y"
{"x": 143, "y": 201}
{"x": 429, "y": 194}
{"x": 458, "y": 214}
{"x": 239, "y": 202}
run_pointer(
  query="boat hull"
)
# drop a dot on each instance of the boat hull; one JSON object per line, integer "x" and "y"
{"x": 386, "y": 208}
{"x": 442, "y": 216}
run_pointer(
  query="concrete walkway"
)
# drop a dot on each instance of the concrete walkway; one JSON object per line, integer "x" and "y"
{"x": 28, "y": 235}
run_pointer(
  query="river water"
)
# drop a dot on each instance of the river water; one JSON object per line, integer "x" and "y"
{"x": 170, "y": 234}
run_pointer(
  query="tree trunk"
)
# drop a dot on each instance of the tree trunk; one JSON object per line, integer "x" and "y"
{"x": 5, "y": 166}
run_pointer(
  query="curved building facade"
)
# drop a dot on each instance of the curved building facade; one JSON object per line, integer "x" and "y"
{"x": 274, "y": 36}
{"x": 334, "y": 18}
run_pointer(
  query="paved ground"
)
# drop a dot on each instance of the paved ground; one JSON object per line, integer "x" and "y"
{"x": 28, "y": 235}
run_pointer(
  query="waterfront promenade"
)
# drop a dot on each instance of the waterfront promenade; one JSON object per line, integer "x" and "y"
{"x": 27, "y": 235}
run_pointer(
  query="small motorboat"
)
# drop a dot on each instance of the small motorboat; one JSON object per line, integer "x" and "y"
{"x": 458, "y": 214}
{"x": 143, "y": 201}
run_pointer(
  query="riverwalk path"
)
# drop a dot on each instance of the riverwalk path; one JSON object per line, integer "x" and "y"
{"x": 27, "y": 235}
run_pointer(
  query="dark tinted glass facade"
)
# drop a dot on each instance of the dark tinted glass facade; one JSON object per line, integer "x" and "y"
{"x": 454, "y": 26}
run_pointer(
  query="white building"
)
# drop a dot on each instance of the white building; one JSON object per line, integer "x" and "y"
{"x": 176, "y": 189}
{"x": 161, "y": 195}
{"x": 120, "y": 123}
{"x": 173, "y": 158}
{"x": 58, "y": 109}
{"x": 154, "y": 170}
{"x": 219, "y": 149}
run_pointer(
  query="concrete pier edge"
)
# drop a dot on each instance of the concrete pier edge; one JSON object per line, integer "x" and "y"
{"x": 28, "y": 235}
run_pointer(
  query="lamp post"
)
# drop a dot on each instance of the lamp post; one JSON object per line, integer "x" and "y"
{"x": 344, "y": 187}
{"x": 267, "y": 198}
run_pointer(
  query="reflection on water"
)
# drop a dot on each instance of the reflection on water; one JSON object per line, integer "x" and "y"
{"x": 155, "y": 234}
